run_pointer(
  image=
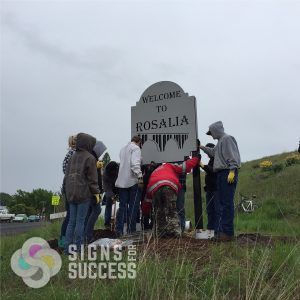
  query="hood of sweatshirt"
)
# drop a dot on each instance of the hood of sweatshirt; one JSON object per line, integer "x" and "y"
{"x": 85, "y": 142}
{"x": 99, "y": 148}
{"x": 216, "y": 130}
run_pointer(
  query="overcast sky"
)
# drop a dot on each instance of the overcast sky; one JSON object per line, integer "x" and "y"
{"x": 78, "y": 66}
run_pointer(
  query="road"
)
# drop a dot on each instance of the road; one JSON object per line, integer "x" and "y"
{"x": 17, "y": 228}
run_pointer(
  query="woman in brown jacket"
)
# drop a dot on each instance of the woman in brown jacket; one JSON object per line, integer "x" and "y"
{"x": 81, "y": 185}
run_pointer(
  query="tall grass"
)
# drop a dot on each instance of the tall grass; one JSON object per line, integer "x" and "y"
{"x": 214, "y": 271}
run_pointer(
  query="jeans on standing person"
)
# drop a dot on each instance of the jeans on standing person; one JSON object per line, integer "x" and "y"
{"x": 210, "y": 209}
{"x": 224, "y": 203}
{"x": 128, "y": 208}
{"x": 108, "y": 209}
{"x": 75, "y": 228}
{"x": 64, "y": 225}
{"x": 91, "y": 219}
{"x": 180, "y": 208}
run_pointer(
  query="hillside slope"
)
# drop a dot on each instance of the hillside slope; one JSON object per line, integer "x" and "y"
{"x": 278, "y": 196}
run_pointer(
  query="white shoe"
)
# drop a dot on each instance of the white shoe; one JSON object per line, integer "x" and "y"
{"x": 210, "y": 234}
{"x": 202, "y": 234}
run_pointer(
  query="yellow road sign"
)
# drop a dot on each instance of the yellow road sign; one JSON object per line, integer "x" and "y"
{"x": 55, "y": 200}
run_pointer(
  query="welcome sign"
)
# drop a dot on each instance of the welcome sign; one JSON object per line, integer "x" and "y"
{"x": 165, "y": 118}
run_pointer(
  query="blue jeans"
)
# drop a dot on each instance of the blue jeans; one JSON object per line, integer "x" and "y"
{"x": 75, "y": 228}
{"x": 224, "y": 203}
{"x": 210, "y": 209}
{"x": 91, "y": 219}
{"x": 128, "y": 208}
{"x": 64, "y": 224}
{"x": 180, "y": 208}
{"x": 108, "y": 208}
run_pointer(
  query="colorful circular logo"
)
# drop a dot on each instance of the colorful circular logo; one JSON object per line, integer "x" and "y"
{"x": 36, "y": 262}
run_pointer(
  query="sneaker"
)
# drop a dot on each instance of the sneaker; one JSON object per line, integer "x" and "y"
{"x": 210, "y": 233}
{"x": 61, "y": 242}
{"x": 202, "y": 234}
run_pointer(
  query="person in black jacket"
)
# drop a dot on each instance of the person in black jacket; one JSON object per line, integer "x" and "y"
{"x": 95, "y": 206}
{"x": 110, "y": 175}
{"x": 210, "y": 189}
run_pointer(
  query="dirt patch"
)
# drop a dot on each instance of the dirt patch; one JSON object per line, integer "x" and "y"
{"x": 171, "y": 247}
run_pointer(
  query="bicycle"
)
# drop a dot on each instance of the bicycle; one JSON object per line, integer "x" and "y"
{"x": 247, "y": 204}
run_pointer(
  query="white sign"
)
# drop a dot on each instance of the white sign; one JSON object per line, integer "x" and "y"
{"x": 165, "y": 118}
{"x": 59, "y": 215}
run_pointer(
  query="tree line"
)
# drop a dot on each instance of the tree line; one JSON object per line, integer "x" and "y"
{"x": 30, "y": 203}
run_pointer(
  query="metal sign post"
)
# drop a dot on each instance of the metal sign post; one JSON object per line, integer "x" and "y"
{"x": 55, "y": 201}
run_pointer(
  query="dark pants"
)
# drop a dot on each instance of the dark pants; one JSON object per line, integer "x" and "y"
{"x": 91, "y": 219}
{"x": 128, "y": 208}
{"x": 211, "y": 211}
{"x": 64, "y": 224}
{"x": 224, "y": 203}
{"x": 180, "y": 208}
{"x": 108, "y": 209}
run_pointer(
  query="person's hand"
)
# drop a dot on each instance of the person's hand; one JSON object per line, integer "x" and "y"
{"x": 201, "y": 164}
{"x": 98, "y": 198}
{"x": 99, "y": 164}
{"x": 140, "y": 183}
{"x": 230, "y": 178}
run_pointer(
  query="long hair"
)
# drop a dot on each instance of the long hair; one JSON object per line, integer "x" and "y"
{"x": 72, "y": 141}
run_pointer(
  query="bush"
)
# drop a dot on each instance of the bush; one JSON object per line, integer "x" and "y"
{"x": 276, "y": 168}
{"x": 255, "y": 166}
{"x": 292, "y": 159}
{"x": 266, "y": 165}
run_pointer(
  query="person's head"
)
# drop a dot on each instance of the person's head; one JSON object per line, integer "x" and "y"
{"x": 85, "y": 141}
{"x": 112, "y": 169}
{"x": 137, "y": 140}
{"x": 72, "y": 141}
{"x": 216, "y": 130}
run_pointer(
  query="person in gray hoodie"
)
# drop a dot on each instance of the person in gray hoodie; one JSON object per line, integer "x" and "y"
{"x": 81, "y": 186}
{"x": 227, "y": 161}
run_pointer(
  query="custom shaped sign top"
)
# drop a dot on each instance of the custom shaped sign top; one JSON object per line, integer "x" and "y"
{"x": 165, "y": 118}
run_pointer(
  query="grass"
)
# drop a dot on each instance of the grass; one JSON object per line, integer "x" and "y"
{"x": 218, "y": 271}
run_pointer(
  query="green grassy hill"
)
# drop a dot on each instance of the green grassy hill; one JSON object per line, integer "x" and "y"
{"x": 278, "y": 197}
{"x": 191, "y": 269}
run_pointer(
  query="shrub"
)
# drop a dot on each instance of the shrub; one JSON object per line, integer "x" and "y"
{"x": 292, "y": 159}
{"x": 266, "y": 165}
{"x": 276, "y": 168}
{"x": 256, "y": 166}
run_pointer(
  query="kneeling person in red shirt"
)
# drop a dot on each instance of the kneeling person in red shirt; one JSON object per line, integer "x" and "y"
{"x": 162, "y": 190}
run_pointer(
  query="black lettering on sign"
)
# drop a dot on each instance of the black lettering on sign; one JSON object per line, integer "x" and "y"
{"x": 163, "y": 123}
{"x": 161, "y": 97}
{"x": 139, "y": 126}
{"x": 184, "y": 120}
{"x": 147, "y": 125}
{"x": 154, "y": 124}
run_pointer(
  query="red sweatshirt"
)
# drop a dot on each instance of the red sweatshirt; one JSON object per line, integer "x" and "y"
{"x": 168, "y": 175}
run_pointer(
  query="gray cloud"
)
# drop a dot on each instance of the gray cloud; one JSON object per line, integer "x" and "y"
{"x": 74, "y": 66}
